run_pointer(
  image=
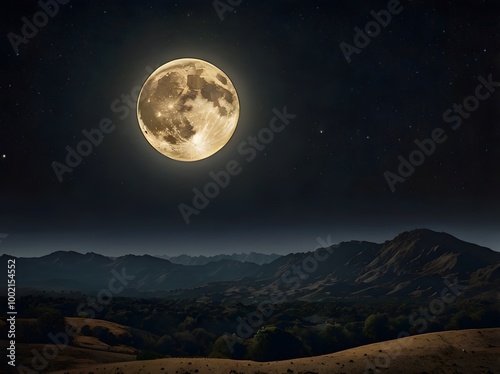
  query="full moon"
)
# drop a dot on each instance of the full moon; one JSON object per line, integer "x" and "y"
{"x": 188, "y": 109}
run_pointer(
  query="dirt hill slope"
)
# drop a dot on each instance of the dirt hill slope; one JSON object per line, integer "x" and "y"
{"x": 464, "y": 351}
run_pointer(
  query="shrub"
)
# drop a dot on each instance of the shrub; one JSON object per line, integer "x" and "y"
{"x": 376, "y": 326}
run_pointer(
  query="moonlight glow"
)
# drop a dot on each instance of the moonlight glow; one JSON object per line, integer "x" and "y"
{"x": 188, "y": 109}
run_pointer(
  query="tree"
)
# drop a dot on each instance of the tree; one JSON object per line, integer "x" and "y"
{"x": 333, "y": 338}
{"x": 186, "y": 343}
{"x": 51, "y": 321}
{"x": 228, "y": 346}
{"x": 460, "y": 321}
{"x": 376, "y": 326}
{"x": 271, "y": 343}
{"x": 148, "y": 355}
{"x": 165, "y": 345}
{"x": 86, "y": 330}
{"x": 188, "y": 324}
{"x": 204, "y": 339}
{"x": 104, "y": 335}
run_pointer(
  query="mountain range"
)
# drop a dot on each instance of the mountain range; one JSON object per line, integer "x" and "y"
{"x": 254, "y": 257}
{"x": 414, "y": 264}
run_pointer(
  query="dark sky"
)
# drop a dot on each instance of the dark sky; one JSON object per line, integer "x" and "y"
{"x": 323, "y": 175}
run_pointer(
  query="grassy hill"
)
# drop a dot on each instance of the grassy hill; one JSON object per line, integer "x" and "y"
{"x": 463, "y": 351}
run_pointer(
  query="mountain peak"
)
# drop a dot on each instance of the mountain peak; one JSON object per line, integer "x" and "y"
{"x": 419, "y": 233}
{"x": 425, "y": 251}
{"x": 64, "y": 254}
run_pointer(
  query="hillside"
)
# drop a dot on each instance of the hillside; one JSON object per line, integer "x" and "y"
{"x": 464, "y": 351}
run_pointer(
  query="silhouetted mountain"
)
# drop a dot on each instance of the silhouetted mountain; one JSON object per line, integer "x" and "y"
{"x": 256, "y": 258}
{"x": 413, "y": 264}
{"x": 424, "y": 252}
{"x": 71, "y": 258}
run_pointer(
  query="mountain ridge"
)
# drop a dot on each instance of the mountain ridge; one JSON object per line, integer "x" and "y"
{"x": 255, "y": 257}
{"x": 412, "y": 263}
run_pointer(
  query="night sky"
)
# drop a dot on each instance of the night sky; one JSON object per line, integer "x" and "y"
{"x": 323, "y": 175}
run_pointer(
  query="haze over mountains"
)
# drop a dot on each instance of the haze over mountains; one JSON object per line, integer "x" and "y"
{"x": 413, "y": 264}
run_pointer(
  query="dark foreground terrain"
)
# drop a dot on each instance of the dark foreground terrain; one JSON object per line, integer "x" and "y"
{"x": 466, "y": 351}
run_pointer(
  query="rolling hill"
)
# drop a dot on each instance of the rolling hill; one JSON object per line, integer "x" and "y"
{"x": 465, "y": 351}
